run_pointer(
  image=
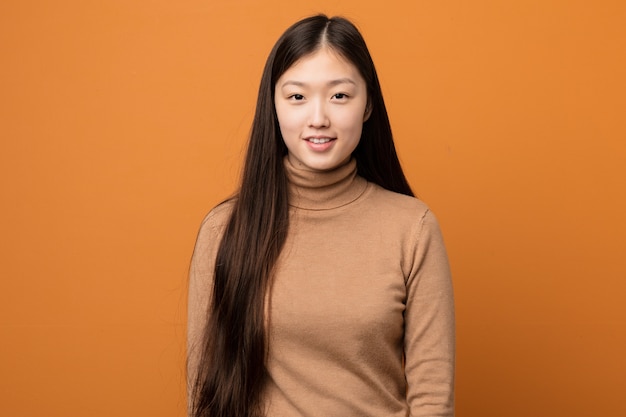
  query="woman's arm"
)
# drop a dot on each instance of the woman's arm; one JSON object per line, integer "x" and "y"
{"x": 429, "y": 340}
{"x": 199, "y": 296}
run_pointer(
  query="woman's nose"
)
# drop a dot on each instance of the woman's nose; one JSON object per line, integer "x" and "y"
{"x": 318, "y": 117}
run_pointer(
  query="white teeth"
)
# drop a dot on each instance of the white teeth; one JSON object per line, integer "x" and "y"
{"x": 319, "y": 140}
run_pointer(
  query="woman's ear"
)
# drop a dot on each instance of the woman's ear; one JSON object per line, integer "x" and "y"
{"x": 368, "y": 111}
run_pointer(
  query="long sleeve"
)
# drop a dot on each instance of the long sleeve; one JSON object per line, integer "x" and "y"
{"x": 200, "y": 291}
{"x": 429, "y": 341}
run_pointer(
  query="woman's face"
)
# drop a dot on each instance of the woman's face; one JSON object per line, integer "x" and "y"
{"x": 321, "y": 103}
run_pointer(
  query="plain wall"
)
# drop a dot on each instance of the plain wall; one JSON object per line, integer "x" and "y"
{"x": 123, "y": 122}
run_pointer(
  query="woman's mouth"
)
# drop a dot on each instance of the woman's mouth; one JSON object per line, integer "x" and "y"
{"x": 320, "y": 144}
{"x": 319, "y": 140}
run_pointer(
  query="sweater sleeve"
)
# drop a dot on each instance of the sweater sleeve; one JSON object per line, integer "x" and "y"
{"x": 429, "y": 339}
{"x": 199, "y": 296}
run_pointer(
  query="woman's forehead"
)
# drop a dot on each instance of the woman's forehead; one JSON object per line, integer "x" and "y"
{"x": 325, "y": 66}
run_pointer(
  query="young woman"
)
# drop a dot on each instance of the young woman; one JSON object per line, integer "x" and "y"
{"x": 322, "y": 288}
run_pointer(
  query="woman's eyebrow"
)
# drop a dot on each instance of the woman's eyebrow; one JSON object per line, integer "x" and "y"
{"x": 341, "y": 81}
{"x": 292, "y": 82}
{"x": 331, "y": 83}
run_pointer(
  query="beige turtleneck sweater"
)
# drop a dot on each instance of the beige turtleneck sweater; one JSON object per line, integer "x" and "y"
{"x": 362, "y": 282}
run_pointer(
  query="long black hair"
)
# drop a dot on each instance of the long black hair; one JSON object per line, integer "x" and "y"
{"x": 232, "y": 371}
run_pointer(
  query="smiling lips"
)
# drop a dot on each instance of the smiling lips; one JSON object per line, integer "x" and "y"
{"x": 319, "y": 144}
{"x": 319, "y": 140}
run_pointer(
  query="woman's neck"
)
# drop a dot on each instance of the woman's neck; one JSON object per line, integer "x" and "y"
{"x": 324, "y": 190}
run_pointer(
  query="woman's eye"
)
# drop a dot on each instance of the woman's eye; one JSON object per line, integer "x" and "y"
{"x": 296, "y": 97}
{"x": 340, "y": 96}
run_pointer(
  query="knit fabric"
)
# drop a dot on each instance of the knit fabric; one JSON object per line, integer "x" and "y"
{"x": 361, "y": 316}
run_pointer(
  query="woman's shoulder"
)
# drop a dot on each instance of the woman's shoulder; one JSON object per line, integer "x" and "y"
{"x": 216, "y": 219}
{"x": 399, "y": 204}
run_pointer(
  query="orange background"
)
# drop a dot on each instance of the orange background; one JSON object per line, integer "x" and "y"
{"x": 122, "y": 122}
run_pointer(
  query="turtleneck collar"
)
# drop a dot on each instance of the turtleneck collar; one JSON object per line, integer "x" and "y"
{"x": 326, "y": 190}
